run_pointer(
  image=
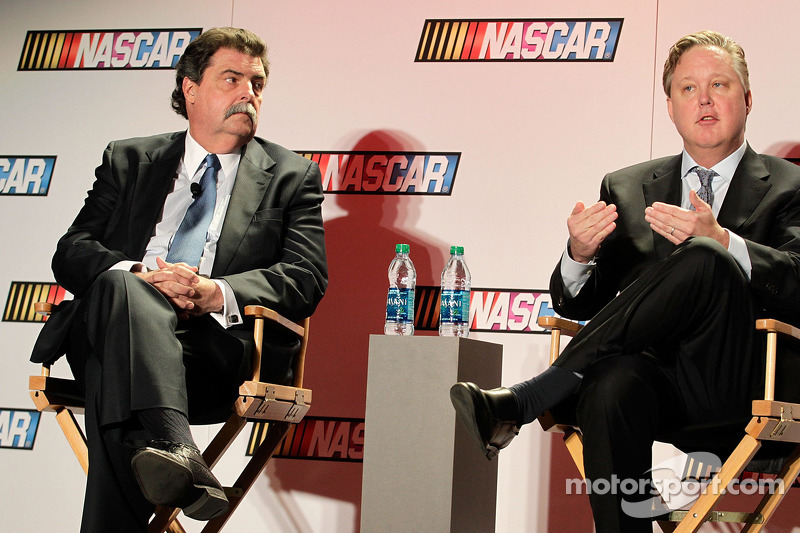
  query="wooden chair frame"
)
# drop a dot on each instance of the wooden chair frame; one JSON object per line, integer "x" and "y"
{"x": 277, "y": 405}
{"x": 772, "y": 421}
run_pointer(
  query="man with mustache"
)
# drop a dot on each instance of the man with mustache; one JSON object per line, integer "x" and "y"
{"x": 672, "y": 267}
{"x": 179, "y": 232}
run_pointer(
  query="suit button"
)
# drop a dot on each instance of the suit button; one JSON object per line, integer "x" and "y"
{"x": 772, "y": 288}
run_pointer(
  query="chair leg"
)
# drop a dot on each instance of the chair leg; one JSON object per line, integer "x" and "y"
{"x": 175, "y": 527}
{"x": 766, "y": 507}
{"x": 223, "y": 439}
{"x": 75, "y": 437}
{"x": 275, "y": 434}
{"x": 164, "y": 520}
{"x": 703, "y": 506}
{"x": 574, "y": 444}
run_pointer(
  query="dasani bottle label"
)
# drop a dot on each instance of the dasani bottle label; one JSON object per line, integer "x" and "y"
{"x": 400, "y": 305}
{"x": 455, "y": 307}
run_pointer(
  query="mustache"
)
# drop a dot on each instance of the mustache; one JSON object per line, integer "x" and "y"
{"x": 243, "y": 107}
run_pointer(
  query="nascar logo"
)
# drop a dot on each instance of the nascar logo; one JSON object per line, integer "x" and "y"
{"x": 26, "y": 175}
{"x": 386, "y": 172}
{"x": 23, "y": 294}
{"x": 18, "y": 428}
{"x": 490, "y": 310}
{"x": 320, "y": 438}
{"x": 104, "y": 49}
{"x": 519, "y": 40}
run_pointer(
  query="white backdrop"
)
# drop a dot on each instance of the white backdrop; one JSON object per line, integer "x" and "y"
{"x": 534, "y": 138}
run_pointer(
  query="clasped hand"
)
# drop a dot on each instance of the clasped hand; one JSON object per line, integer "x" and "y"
{"x": 589, "y": 226}
{"x": 189, "y": 293}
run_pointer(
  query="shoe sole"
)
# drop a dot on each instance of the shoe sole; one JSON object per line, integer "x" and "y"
{"x": 175, "y": 488}
{"x": 163, "y": 481}
{"x": 464, "y": 403}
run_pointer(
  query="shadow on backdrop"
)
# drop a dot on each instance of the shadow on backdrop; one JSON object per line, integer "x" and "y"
{"x": 788, "y": 149}
{"x": 360, "y": 243}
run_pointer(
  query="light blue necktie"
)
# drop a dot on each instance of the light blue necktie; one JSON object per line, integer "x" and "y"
{"x": 706, "y": 177}
{"x": 190, "y": 239}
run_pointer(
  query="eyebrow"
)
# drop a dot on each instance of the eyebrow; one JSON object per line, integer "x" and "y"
{"x": 693, "y": 77}
{"x": 259, "y": 75}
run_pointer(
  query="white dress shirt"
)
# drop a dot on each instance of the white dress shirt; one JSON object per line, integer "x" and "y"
{"x": 576, "y": 274}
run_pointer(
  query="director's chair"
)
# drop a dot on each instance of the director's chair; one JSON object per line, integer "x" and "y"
{"x": 278, "y": 406}
{"x": 772, "y": 421}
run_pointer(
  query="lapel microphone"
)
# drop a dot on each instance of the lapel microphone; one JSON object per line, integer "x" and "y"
{"x": 196, "y": 189}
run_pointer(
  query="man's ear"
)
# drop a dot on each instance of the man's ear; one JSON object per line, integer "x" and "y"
{"x": 748, "y": 101}
{"x": 188, "y": 87}
{"x": 669, "y": 109}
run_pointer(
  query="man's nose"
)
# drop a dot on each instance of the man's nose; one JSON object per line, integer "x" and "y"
{"x": 249, "y": 94}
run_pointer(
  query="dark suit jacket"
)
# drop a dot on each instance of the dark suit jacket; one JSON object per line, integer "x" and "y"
{"x": 762, "y": 206}
{"x": 271, "y": 250}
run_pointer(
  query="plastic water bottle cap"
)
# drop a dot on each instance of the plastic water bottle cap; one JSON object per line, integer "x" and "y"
{"x": 458, "y": 250}
{"x": 402, "y": 249}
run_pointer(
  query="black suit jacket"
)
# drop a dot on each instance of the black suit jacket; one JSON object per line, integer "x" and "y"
{"x": 271, "y": 249}
{"x": 762, "y": 206}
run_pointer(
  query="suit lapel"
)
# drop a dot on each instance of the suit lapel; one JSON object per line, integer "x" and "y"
{"x": 153, "y": 182}
{"x": 252, "y": 180}
{"x": 665, "y": 186}
{"x": 748, "y": 187}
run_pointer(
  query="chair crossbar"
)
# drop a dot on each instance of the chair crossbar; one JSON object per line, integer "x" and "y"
{"x": 721, "y": 516}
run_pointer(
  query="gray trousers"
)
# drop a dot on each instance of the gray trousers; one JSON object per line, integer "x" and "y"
{"x": 130, "y": 352}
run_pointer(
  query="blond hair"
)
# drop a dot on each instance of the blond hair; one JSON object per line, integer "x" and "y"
{"x": 707, "y": 39}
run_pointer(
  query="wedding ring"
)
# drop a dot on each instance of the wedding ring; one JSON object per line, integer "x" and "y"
{"x": 673, "y": 230}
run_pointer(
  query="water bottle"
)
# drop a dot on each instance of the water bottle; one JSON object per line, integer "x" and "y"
{"x": 400, "y": 301}
{"x": 456, "y": 283}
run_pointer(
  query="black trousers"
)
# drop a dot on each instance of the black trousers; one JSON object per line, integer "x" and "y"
{"x": 675, "y": 347}
{"x": 130, "y": 352}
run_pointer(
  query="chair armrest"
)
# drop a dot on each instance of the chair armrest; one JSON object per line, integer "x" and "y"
{"x": 51, "y": 394}
{"x": 567, "y": 327}
{"x": 770, "y": 324}
{"x": 43, "y": 308}
{"x": 259, "y": 311}
{"x": 261, "y": 314}
{"x": 557, "y": 326}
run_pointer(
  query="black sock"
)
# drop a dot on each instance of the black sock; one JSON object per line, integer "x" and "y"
{"x": 546, "y": 390}
{"x": 167, "y": 424}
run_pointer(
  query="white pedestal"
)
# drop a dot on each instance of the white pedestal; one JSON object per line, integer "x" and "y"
{"x": 422, "y": 472}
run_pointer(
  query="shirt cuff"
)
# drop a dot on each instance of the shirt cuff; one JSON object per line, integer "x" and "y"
{"x": 129, "y": 266}
{"x": 574, "y": 274}
{"x": 230, "y": 315}
{"x": 738, "y": 249}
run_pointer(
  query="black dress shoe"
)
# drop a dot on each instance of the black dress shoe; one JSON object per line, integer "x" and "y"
{"x": 174, "y": 475}
{"x": 490, "y": 416}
